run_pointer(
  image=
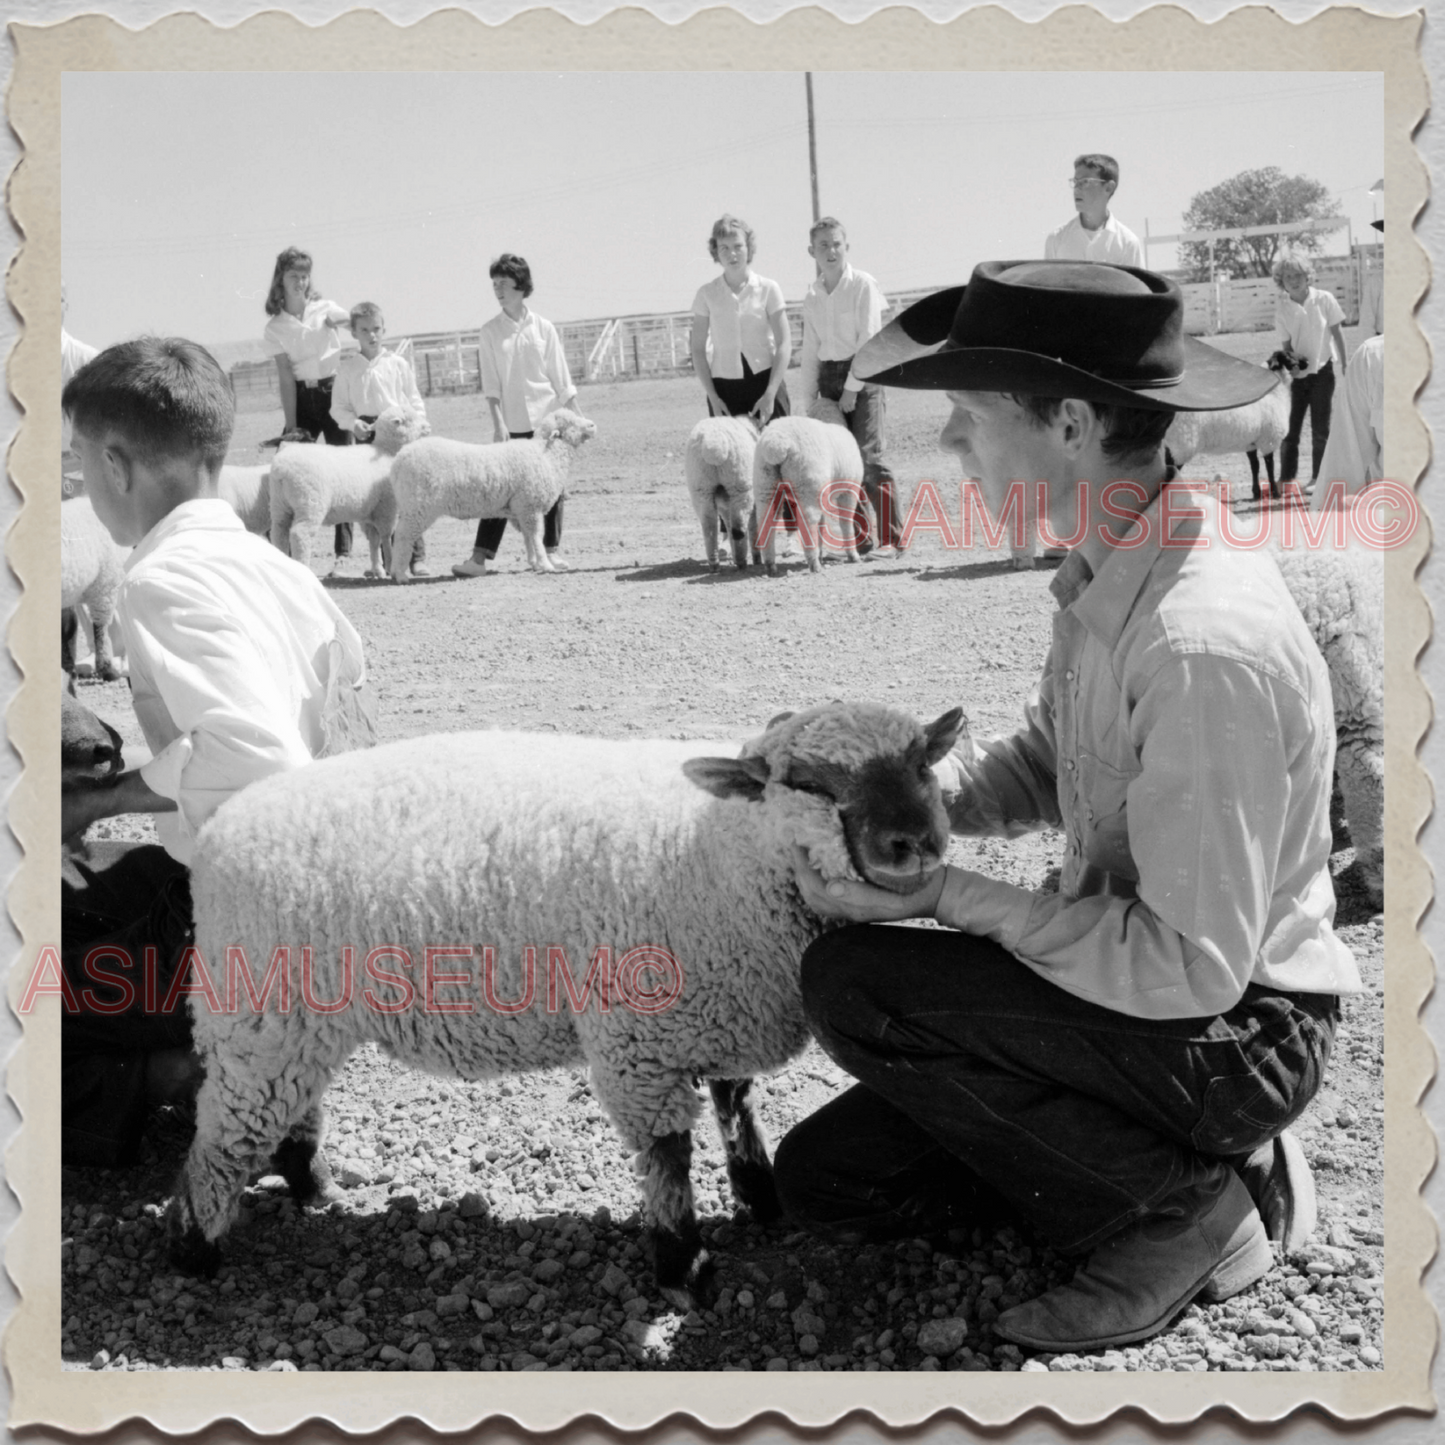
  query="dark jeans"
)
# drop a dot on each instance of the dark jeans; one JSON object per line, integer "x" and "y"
{"x": 313, "y": 413}
{"x": 865, "y": 421}
{"x": 979, "y": 1079}
{"x": 1311, "y": 394}
{"x": 124, "y": 899}
{"x": 490, "y": 530}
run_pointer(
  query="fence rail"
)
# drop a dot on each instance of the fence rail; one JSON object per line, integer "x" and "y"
{"x": 623, "y": 348}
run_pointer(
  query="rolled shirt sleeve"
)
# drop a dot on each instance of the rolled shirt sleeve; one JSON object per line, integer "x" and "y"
{"x": 1207, "y": 827}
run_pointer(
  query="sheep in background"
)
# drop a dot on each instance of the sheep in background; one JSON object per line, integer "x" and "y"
{"x": 517, "y": 843}
{"x": 248, "y": 490}
{"x": 807, "y": 454}
{"x": 1341, "y": 595}
{"x": 313, "y": 486}
{"x": 718, "y": 463}
{"x": 439, "y": 477}
{"x": 92, "y": 565}
{"x": 1258, "y": 428}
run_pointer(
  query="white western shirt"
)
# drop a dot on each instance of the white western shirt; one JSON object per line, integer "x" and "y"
{"x": 835, "y": 325}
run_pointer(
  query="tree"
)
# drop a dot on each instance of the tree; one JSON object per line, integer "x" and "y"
{"x": 1266, "y": 197}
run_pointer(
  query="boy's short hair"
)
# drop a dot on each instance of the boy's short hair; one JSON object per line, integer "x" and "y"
{"x": 1105, "y": 167}
{"x": 826, "y": 223}
{"x": 293, "y": 258}
{"x": 364, "y": 311}
{"x": 164, "y": 396}
{"x": 516, "y": 268}
{"x": 725, "y": 225}
{"x": 1131, "y": 433}
{"x": 1293, "y": 261}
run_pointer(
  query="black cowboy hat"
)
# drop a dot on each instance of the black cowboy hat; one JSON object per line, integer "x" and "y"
{"x": 1378, "y": 225}
{"x": 1084, "y": 329}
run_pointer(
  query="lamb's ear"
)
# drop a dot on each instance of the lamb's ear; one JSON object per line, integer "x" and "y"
{"x": 776, "y": 719}
{"x": 943, "y": 733}
{"x": 728, "y": 777}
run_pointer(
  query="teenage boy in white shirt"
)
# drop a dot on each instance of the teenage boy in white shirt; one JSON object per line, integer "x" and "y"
{"x": 1094, "y": 234}
{"x": 1309, "y": 322}
{"x": 842, "y": 309}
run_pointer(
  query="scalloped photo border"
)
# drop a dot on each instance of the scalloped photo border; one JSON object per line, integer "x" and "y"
{"x": 990, "y": 39}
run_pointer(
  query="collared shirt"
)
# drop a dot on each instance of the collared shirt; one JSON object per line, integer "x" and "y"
{"x": 368, "y": 388}
{"x": 739, "y": 325}
{"x": 835, "y": 325}
{"x": 313, "y": 347}
{"x": 1182, "y": 735}
{"x": 230, "y": 646}
{"x": 525, "y": 368}
{"x": 1113, "y": 242}
{"x": 1305, "y": 327}
{"x": 1354, "y": 453}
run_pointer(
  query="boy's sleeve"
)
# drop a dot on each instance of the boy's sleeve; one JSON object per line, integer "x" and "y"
{"x": 491, "y": 372}
{"x": 199, "y": 672}
{"x": 556, "y": 363}
{"x": 413, "y": 392}
{"x": 872, "y": 303}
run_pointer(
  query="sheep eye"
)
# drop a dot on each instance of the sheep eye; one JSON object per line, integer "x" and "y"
{"x": 813, "y": 788}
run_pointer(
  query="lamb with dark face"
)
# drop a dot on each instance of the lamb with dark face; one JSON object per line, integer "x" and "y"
{"x": 495, "y": 847}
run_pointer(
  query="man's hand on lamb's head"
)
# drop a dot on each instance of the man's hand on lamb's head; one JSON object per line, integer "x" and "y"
{"x": 861, "y": 902}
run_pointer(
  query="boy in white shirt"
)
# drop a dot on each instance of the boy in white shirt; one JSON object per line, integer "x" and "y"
{"x": 241, "y": 666}
{"x": 1309, "y": 323}
{"x": 367, "y": 383}
{"x": 1094, "y": 234}
{"x": 841, "y": 310}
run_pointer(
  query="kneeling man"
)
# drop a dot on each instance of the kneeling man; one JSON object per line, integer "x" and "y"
{"x": 1118, "y": 1060}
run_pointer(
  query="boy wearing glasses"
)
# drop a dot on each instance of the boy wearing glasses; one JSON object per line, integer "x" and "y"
{"x": 1094, "y": 234}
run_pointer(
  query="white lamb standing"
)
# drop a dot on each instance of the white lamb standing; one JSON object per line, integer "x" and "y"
{"x": 1341, "y": 595}
{"x": 718, "y": 463}
{"x": 92, "y": 565}
{"x": 1255, "y": 429}
{"x": 502, "y": 850}
{"x": 807, "y": 453}
{"x": 439, "y": 477}
{"x": 314, "y": 486}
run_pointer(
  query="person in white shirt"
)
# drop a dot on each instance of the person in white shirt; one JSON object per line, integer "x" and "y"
{"x": 1372, "y": 296}
{"x": 369, "y": 381}
{"x": 842, "y": 309}
{"x": 1094, "y": 234}
{"x": 1309, "y": 322}
{"x": 241, "y": 666}
{"x": 524, "y": 377}
{"x": 302, "y": 338}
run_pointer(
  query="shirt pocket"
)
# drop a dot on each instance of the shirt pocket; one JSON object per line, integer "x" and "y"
{"x": 1102, "y": 815}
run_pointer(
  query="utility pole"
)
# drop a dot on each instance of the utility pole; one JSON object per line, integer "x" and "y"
{"x": 812, "y": 144}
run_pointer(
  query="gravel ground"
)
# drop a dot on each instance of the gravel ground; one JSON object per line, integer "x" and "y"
{"x": 494, "y": 1225}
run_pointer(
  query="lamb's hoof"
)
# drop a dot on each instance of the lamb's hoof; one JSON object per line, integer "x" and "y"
{"x": 1022, "y": 564}
{"x": 714, "y": 565}
{"x": 686, "y": 1274}
{"x": 189, "y": 1249}
{"x": 372, "y": 572}
{"x": 306, "y": 1172}
{"x": 109, "y": 673}
{"x": 773, "y": 569}
{"x": 755, "y": 1190}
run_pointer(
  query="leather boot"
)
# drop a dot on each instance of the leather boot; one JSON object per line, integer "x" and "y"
{"x": 1206, "y": 1239}
{"x": 1283, "y": 1189}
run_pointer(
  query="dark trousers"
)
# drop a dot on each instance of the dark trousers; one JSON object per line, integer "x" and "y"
{"x": 418, "y": 552}
{"x": 865, "y": 421}
{"x": 313, "y": 414}
{"x": 1312, "y": 394}
{"x": 490, "y": 530}
{"x": 978, "y": 1079}
{"x": 123, "y": 900}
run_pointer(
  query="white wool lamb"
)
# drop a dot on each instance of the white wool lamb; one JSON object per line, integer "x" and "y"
{"x": 1341, "y": 595}
{"x": 1259, "y": 428}
{"x": 508, "y": 855}
{"x": 517, "y": 479}
{"x": 91, "y": 567}
{"x": 248, "y": 490}
{"x": 718, "y": 463}
{"x": 314, "y": 486}
{"x": 807, "y": 454}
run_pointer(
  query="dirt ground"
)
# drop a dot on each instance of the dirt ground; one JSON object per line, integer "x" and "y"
{"x": 639, "y": 639}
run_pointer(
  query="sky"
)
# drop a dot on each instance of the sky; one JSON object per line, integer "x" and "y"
{"x": 178, "y": 190}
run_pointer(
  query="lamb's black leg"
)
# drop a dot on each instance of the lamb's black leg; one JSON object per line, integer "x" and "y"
{"x": 1252, "y": 457}
{"x": 69, "y": 628}
{"x": 683, "y": 1268}
{"x": 299, "y": 1160}
{"x": 1269, "y": 472}
{"x": 749, "y": 1169}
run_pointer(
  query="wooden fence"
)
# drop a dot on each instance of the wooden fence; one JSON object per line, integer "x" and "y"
{"x": 625, "y": 348}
